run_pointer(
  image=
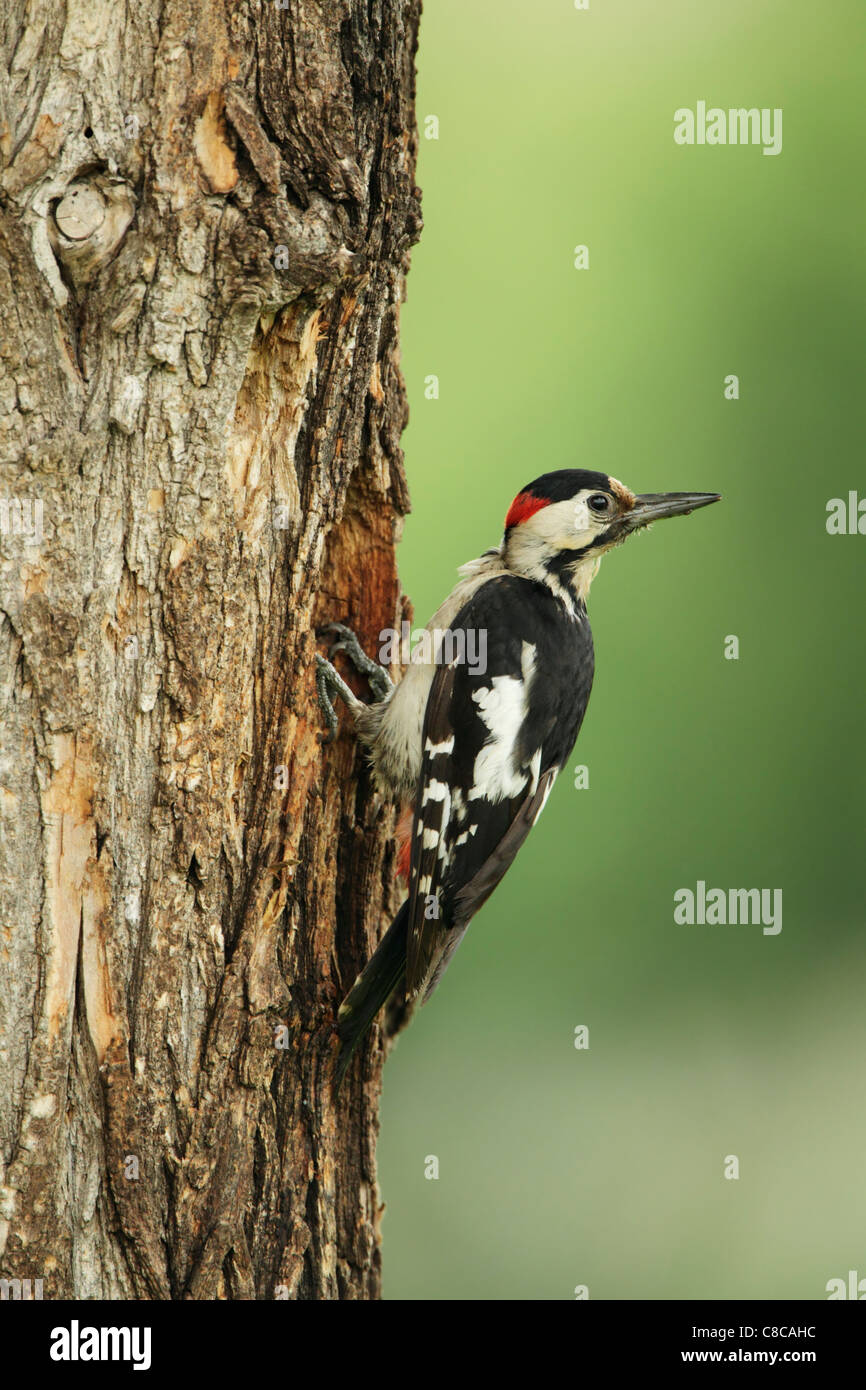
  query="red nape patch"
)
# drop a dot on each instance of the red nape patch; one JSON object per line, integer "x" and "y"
{"x": 404, "y": 839}
{"x": 523, "y": 507}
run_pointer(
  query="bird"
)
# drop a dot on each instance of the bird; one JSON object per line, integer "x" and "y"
{"x": 471, "y": 748}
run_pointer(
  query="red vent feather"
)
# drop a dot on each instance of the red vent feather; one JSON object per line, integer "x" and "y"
{"x": 404, "y": 841}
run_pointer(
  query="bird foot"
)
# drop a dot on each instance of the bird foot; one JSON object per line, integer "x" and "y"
{"x": 379, "y": 681}
{"x": 329, "y": 682}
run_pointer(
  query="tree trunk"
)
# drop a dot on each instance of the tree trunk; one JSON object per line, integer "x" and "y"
{"x": 205, "y": 219}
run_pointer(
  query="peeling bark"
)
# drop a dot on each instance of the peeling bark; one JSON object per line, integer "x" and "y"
{"x": 205, "y": 218}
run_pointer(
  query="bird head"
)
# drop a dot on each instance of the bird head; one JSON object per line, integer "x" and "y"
{"x": 559, "y": 526}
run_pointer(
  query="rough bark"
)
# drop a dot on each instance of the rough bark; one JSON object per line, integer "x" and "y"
{"x": 205, "y": 217}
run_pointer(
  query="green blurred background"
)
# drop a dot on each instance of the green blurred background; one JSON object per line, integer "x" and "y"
{"x": 604, "y": 1167}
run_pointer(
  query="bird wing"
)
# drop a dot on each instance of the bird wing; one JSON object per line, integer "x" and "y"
{"x": 476, "y": 892}
{"x": 482, "y": 785}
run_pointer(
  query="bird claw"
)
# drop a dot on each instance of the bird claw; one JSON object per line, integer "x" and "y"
{"x": 378, "y": 679}
{"x": 328, "y": 679}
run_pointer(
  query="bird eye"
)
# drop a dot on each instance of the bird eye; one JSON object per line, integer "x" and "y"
{"x": 599, "y": 502}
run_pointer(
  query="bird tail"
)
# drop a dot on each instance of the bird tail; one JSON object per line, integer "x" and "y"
{"x": 373, "y": 987}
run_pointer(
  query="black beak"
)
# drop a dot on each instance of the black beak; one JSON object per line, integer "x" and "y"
{"x": 654, "y": 506}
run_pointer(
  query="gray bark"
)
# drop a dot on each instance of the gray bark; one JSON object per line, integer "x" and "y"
{"x": 205, "y": 217}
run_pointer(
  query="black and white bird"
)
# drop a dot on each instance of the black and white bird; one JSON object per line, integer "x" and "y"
{"x": 472, "y": 748}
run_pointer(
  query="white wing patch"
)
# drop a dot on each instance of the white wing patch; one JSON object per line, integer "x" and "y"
{"x": 463, "y": 838}
{"x": 435, "y": 791}
{"x": 503, "y": 707}
{"x": 446, "y": 746}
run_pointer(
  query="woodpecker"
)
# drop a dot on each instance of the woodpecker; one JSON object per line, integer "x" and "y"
{"x": 472, "y": 750}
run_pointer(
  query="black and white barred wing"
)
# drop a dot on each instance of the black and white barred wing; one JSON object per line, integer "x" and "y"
{"x": 481, "y": 789}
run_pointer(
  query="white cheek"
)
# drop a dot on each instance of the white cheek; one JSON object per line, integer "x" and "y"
{"x": 584, "y": 529}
